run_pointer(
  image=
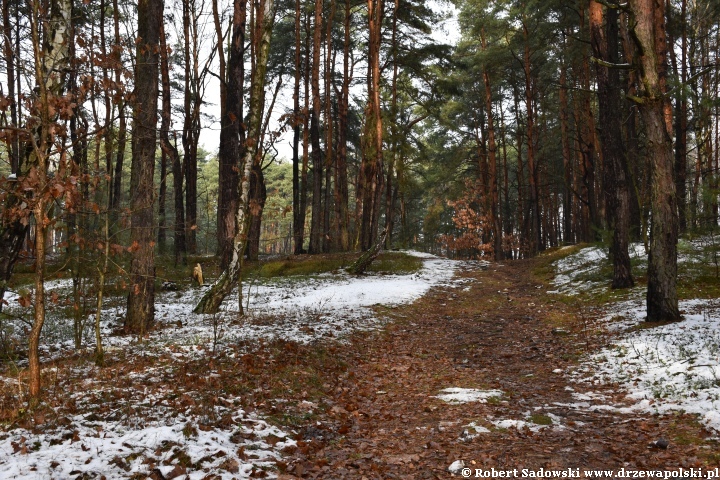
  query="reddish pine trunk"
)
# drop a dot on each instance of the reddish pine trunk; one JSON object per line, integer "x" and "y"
{"x": 372, "y": 168}
{"x": 649, "y": 29}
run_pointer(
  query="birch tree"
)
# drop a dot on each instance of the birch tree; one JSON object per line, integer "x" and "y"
{"x": 261, "y": 36}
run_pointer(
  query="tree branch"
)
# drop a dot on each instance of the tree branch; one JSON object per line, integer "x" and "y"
{"x": 603, "y": 63}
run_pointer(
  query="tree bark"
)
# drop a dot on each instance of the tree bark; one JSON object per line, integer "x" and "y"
{"x": 306, "y": 125}
{"x": 170, "y": 151}
{"x": 232, "y": 138}
{"x": 162, "y": 200}
{"x": 341, "y": 175}
{"x": 258, "y": 194}
{"x": 210, "y": 302}
{"x": 536, "y": 234}
{"x": 372, "y": 164}
{"x": 615, "y": 182}
{"x": 328, "y": 240}
{"x": 638, "y": 182}
{"x": 141, "y": 299}
{"x": 316, "y": 225}
{"x": 191, "y": 125}
{"x": 122, "y": 122}
{"x": 298, "y": 213}
{"x": 681, "y": 127}
{"x": 390, "y": 192}
{"x": 649, "y": 30}
{"x": 568, "y": 234}
{"x": 10, "y": 70}
{"x": 495, "y": 220}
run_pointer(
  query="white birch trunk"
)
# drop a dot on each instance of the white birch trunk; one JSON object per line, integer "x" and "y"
{"x": 210, "y": 303}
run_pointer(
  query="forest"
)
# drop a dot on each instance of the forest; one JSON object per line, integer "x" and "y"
{"x": 145, "y": 145}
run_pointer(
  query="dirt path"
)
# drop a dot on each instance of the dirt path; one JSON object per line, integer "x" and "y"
{"x": 501, "y": 330}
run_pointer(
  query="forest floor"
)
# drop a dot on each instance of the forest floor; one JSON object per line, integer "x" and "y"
{"x": 491, "y": 368}
{"x": 506, "y": 334}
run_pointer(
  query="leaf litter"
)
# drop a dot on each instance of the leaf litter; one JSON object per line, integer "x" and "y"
{"x": 369, "y": 407}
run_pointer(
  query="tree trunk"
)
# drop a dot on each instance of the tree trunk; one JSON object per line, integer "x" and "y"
{"x": 162, "y": 200}
{"x": 568, "y": 234}
{"x": 170, "y": 151}
{"x": 316, "y": 226}
{"x": 507, "y": 216}
{"x": 372, "y": 168}
{"x": 12, "y": 98}
{"x": 328, "y": 242}
{"x": 210, "y": 302}
{"x": 258, "y": 194}
{"x": 615, "y": 183}
{"x": 649, "y": 29}
{"x": 191, "y": 125}
{"x": 359, "y": 266}
{"x": 122, "y": 122}
{"x": 232, "y": 138}
{"x": 390, "y": 192}
{"x": 536, "y": 239}
{"x": 634, "y": 160}
{"x": 306, "y": 125}
{"x": 495, "y": 221}
{"x": 298, "y": 213}
{"x": 521, "y": 220}
{"x": 681, "y": 128}
{"x": 141, "y": 299}
{"x": 39, "y": 300}
{"x": 341, "y": 176}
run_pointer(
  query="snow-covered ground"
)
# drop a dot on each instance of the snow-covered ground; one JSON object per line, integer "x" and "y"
{"x": 116, "y": 450}
{"x": 301, "y": 309}
{"x": 578, "y": 272}
{"x": 150, "y": 431}
{"x": 674, "y": 367}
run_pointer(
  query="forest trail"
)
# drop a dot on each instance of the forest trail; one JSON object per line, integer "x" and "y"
{"x": 502, "y": 331}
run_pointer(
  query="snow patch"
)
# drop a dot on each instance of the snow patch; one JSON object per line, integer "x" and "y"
{"x": 467, "y": 395}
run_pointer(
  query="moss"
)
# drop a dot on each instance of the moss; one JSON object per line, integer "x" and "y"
{"x": 308, "y": 265}
{"x": 396, "y": 263}
{"x": 539, "y": 419}
{"x": 299, "y": 265}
